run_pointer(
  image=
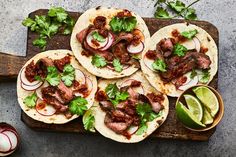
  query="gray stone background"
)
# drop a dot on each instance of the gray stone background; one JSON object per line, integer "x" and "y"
{"x": 46, "y": 144}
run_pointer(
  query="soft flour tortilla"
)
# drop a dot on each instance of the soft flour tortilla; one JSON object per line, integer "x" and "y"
{"x": 206, "y": 41}
{"x": 56, "y": 118}
{"x": 100, "y": 115}
{"x": 83, "y": 22}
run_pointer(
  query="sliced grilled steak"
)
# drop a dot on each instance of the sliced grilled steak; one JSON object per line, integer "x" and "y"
{"x": 60, "y": 63}
{"x": 120, "y": 52}
{"x": 65, "y": 92}
{"x": 30, "y": 71}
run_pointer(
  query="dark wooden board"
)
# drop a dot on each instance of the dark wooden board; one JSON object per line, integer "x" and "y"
{"x": 171, "y": 129}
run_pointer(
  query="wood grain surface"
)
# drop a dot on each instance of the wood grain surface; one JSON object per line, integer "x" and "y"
{"x": 171, "y": 129}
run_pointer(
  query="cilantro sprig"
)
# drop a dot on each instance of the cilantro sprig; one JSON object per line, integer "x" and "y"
{"x": 146, "y": 114}
{"x": 117, "y": 65}
{"x": 114, "y": 95}
{"x": 68, "y": 75}
{"x": 126, "y": 24}
{"x": 98, "y": 37}
{"x": 53, "y": 76}
{"x": 159, "y": 65}
{"x": 98, "y": 61}
{"x": 78, "y": 105}
{"x": 180, "y": 50}
{"x": 204, "y": 76}
{"x": 30, "y": 101}
{"x": 89, "y": 120}
{"x": 189, "y": 34}
{"x": 48, "y": 25}
{"x": 178, "y": 9}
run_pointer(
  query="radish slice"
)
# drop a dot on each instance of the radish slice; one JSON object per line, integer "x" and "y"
{"x": 31, "y": 88}
{"x": 89, "y": 84}
{"x": 100, "y": 45}
{"x": 188, "y": 84}
{"x": 44, "y": 109}
{"x": 25, "y": 81}
{"x": 128, "y": 82}
{"x": 13, "y": 138}
{"x": 135, "y": 49}
{"x": 189, "y": 44}
{"x": 132, "y": 129}
{"x": 39, "y": 90}
{"x": 110, "y": 41}
{"x": 148, "y": 62}
{"x": 5, "y": 143}
{"x": 197, "y": 44}
{"x": 79, "y": 76}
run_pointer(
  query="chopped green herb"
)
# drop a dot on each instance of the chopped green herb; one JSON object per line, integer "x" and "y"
{"x": 30, "y": 101}
{"x": 59, "y": 13}
{"x": 142, "y": 129}
{"x": 189, "y": 34}
{"x": 159, "y": 65}
{"x": 117, "y": 65}
{"x": 38, "y": 78}
{"x": 161, "y": 13}
{"x": 68, "y": 75}
{"x": 111, "y": 90}
{"x": 99, "y": 61}
{"x": 204, "y": 76}
{"x": 88, "y": 121}
{"x": 78, "y": 105}
{"x": 53, "y": 76}
{"x": 180, "y": 50}
{"x": 193, "y": 74}
{"x": 40, "y": 42}
{"x": 98, "y": 37}
{"x": 126, "y": 24}
{"x": 190, "y": 14}
{"x": 177, "y": 6}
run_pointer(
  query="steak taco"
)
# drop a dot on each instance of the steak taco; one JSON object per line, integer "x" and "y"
{"x": 53, "y": 88}
{"x": 108, "y": 42}
{"x": 129, "y": 109}
{"x": 180, "y": 56}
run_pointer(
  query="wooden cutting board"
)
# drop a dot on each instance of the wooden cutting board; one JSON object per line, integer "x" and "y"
{"x": 171, "y": 129}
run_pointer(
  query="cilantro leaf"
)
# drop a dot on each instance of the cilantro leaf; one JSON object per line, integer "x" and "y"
{"x": 68, "y": 75}
{"x": 53, "y": 76}
{"x": 40, "y": 42}
{"x": 143, "y": 109}
{"x": 59, "y": 13}
{"x": 99, "y": 61}
{"x": 142, "y": 129}
{"x": 42, "y": 21}
{"x": 190, "y": 14}
{"x": 88, "y": 121}
{"x": 98, "y": 37}
{"x": 179, "y": 50}
{"x": 178, "y": 6}
{"x": 126, "y": 24}
{"x": 159, "y": 65}
{"x": 111, "y": 90}
{"x": 78, "y": 105}
{"x": 38, "y": 78}
{"x": 161, "y": 13}
{"x": 117, "y": 65}
{"x": 189, "y": 34}
{"x": 193, "y": 74}
{"x": 28, "y": 22}
{"x": 204, "y": 76}
{"x": 120, "y": 96}
{"x": 30, "y": 101}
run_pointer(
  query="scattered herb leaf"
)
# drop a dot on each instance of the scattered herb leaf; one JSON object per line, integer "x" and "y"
{"x": 161, "y": 13}
{"x": 193, "y": 74}
{"x": 179, "y": 50}
{"x": 68, "y": 75}
{"x": 78, "y": 105}
{"x": 159, "y": 65}
{"x": 117, "y": 65}
{"x": 126, "y": 24}
{"x": 189, "y": 34}
{"x": 99, "y": 61}
{"x": 53, "y": 76}
{"x": 204, "y": 76}
{"x": 30, "y": 101}
{"x": 98, "y": 37}
{"x": 88, "y": 121}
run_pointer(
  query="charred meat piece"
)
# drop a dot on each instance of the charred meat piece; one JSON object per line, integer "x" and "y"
{"x": 103, "y": 32}
{"x": 124, "y": 13}
{"x": 120, "y": 52}
{"x": 99, "y": 22}
{"x": 60, "y": 63}
{"x": 203, "y": 60}
{"x": 41, "y": 66}
{"x": 123, "y": 36}
{"x": 151, "y": 54}
{"x": 165, "y": 46}
{"x": 106, "y": 105}
{"x": 65, "y": 92}
{"x": 135, "y": 83}
{"x": 30, "y": 71}
{"x": 82, "y": 34}
{"x": 86, "y": 53}
{"x": 100, "y": 96}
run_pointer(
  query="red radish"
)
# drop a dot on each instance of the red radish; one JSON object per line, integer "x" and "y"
{"x": 31, "y": 88}
{"x": 197, "y": 44}
{"x": 132, "y": 129}
{"x": 135, "y": 49}
{"x": 89, "y": 40}
{"x": 109, "y": 43}
{"x": 25, "y": 81}
{"x": 148, "y": 62}
{"x": 127, "y": 82}
{"x": 9, "y": 139}
{"x": 44, "y": 109}
{"x": 39, "y": 90}
{"x": 79, "y": 76}
{"x": 89, "y": 86}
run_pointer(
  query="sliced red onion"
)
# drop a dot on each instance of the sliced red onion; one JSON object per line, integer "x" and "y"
{"x": 197, "y": 44}
{"x": 109, "y": 43}
{"x": 132, "y": 129}
{"x": 12, "y": 137}
{"x": 135, "y": 49}
{"x": 89, "y": 39}
{"x": 25, "y": 81}
{"x": 31, "y": 88}
{"x": 46, "y": 110}
{"x": 80, "y": 76}
{"x": 5, "y": 143}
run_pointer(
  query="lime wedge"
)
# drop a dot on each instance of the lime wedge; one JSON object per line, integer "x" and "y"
{"x": 207, "y": 118}
{"x": 194, "y": 106}
{"x": 208, "y": 98}
{"x": 187, "y": 118}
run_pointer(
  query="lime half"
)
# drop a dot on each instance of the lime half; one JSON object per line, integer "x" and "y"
{"x": 187, "y": 118}
{"x": 208, "y": 98}
{"x": 194, "y": 106}
{"x": 207, "y": 118}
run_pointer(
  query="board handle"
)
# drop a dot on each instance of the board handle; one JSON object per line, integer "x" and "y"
{"x": 10, "y": 66}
